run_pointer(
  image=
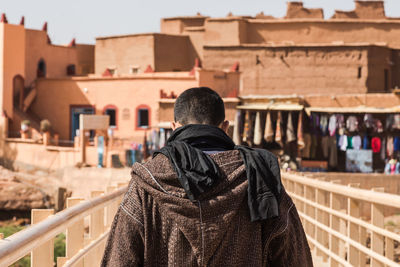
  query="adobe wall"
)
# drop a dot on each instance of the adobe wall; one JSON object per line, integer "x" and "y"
{"x": 226, "y": 31}
{"x": 173, "y": 53}
{"x": 12, "y": 62}
{"x": 289, "y": 70}
{"x": 306, "y": 31}
{"x": 124, "y": 52}
{"x": 196, "y": 36}
{"x": 57, "y": 58}
{"x": 85, "y": 57}
{"x": 353, "y": 100}
{"x": 55, "y": 96}
{"x": 380, "y": 59}
{"x": 178, "y": 25}
{"x": 225, "y": 83}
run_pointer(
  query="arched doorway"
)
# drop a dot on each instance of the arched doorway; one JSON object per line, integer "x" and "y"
{"x": 41, "y": 69}
{"x": 18, "y": 91}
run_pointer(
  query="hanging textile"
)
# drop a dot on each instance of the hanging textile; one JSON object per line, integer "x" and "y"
{"x": 332, "y": 125}
{"x": 307, "y": 146}
{"x": 325, "y": 146}
{"x": 257, "y": 130}
{"x": 368, "y": 121}
{"x": 278, "y": 133}
{"x": 300, "y": 139}
{"x": 236, "y": 128}
{"x": 343, "y": 142}
{"x": 246, "y": 127}
{"x": 332, "y": 160}
{"x": 290, "y": 135}
{"x": 356, "y": 142}
{"x": 352, "y": 124}
{"x": 269, "y": 131}
{"x": 396, "y": 121}
{"x": 323, "y": 124}
{"x": 389, "y": 146}
{"x": 383, "y": 149}
{"x": 376, "y": 144}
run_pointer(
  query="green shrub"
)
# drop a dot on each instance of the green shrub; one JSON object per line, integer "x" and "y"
{"x": 59, "y": 245}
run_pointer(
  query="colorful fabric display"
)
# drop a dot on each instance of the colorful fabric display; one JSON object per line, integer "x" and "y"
{"x": 290, "y": 134}
{"x": 332, "y": 160}
{"x": 332, "y": 125}
{"x": 269, "y": 131}
{"x": 236, "y": 128}
{"x": 257, "y": 130}
{"x": 376, "y": 144}
{"x": 325, "y": 146}
{"x": 349, "y": 142}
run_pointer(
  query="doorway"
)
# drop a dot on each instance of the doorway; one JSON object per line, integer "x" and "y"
{"x": 75, "y": 112}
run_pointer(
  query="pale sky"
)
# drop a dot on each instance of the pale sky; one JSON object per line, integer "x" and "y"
{"x": 87, "y": 19}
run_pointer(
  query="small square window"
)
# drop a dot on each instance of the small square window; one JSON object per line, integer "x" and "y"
{"x": 134, "y": 70}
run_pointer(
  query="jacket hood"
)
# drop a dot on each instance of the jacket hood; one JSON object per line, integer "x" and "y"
{"x": 206, "y": 220}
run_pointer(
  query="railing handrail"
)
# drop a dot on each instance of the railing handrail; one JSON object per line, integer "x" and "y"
{"x": 18, "y": 245}
{"x": 385, "y": 199}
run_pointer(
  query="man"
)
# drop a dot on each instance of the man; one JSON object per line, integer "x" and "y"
{"x": 202, "y": 201}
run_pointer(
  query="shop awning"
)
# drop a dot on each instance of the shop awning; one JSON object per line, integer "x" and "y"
{"x": 272, "y": 106}
{"x": 359, "y": 109}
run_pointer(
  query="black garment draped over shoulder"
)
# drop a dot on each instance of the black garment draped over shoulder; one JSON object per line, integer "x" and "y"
{"x": 198, "y": 173}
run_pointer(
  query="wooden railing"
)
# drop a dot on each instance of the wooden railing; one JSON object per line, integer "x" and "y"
{"x": 345, "y": 225}
{"x": 83, "y": 248}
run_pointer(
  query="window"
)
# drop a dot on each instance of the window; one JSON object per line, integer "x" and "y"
{"x": 111, "y": 111}
{"x": 41, "y": 69}
{"x": 359, "y": 74}
{"x": 71, "y": 70}
{"x": 134, "y": 70}
{"x": 143, "y": 117}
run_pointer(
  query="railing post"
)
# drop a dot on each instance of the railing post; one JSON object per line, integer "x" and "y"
{"x": 334, "y": 222}
{"x": 389, "y": 245}
{"x": 95, "y": 230}
{"x": 377, "y": 240}
{"x": 43, "y": 255}
{"x": 309, "y": 193}
{"x": 353, "y": 209}
{"x": 74, "y": 234}
{"x": 323, "y": 217}
{"x": 111, "y": 209}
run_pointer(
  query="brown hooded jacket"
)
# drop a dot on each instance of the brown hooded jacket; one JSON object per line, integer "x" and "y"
{"x": 157, "y": 225}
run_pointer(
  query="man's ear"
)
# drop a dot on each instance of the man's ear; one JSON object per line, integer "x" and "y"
{"x": 225, "y": 126}
{"x": 175, "y": 125}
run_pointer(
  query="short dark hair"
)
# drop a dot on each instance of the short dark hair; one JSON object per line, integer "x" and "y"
{"x": 199, "y": 105}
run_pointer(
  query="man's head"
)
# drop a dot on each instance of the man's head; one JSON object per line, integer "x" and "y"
{"x": 199, "y": 105}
